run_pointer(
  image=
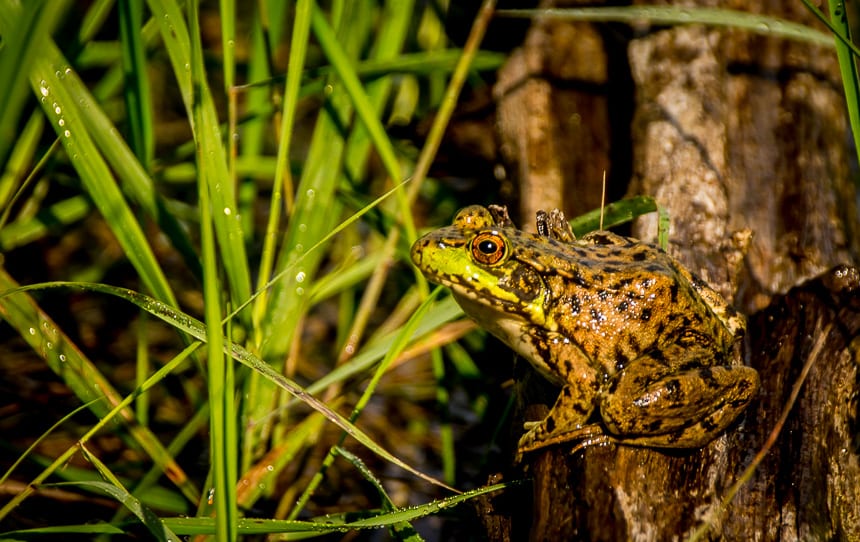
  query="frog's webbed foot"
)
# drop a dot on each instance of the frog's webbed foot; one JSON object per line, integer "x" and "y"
{"x": 587, "y": 435}
{"x": 554, "y": 226}
{"x": 565, "y": 422}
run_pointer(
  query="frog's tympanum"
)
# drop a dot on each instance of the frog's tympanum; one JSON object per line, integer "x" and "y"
{"x": 631, "y": 336}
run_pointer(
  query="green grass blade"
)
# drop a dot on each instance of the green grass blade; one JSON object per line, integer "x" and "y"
{"x": 282, "y": 190}
{"x": 163, "y": 499}
{"x": 842, "y": 37}
{"x": 43, "y": 436}
{"x": 97, "y": 13}
{"x": 402, "y": 530}
{"x": 228, "y": 42}
{"x": 23, "y": 28}
{"x": 60, "y": 214}
{"x": 19, "y": 167}
{"x": 449, "y": 102}
{"x": 848, "y": 67}
{"x": 48, "y": 74}
{"x": 334, "y": 523}
{"x": 369, "y": 103}
{"x": 751, "y": 22}
{"x": 114, "y": 489}
{"x": 207, "y": 135}
{"x": 222, "y": 433}
{"x": 65, "y": 116}
{"x": 96, "y": 529}
{"x": 615, "y": 213}
{"x": 137, "y": 99}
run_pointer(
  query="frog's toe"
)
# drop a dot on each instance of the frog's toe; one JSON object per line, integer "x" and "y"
{"x": 538, "y": 437}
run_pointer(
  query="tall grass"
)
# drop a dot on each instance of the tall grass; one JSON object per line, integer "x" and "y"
{"x": 295, "y": 224}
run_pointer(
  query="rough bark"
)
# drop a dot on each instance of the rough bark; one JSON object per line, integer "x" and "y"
{"x": 553, "y": 117}
{"x": 731, "y": 132}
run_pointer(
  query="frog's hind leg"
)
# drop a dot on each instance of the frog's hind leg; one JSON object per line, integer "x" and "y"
{"x": 653, "y": 404}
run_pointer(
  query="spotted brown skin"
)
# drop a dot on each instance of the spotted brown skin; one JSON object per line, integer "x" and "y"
{"x": 630, "y": 335}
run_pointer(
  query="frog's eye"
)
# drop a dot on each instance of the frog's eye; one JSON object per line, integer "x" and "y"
{"x": 488, "y": 248}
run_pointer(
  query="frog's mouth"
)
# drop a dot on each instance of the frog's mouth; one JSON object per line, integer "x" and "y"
{"x": 486, "y": 305}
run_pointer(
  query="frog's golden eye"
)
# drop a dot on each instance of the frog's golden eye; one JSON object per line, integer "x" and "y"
{"x": 488, "y": 248}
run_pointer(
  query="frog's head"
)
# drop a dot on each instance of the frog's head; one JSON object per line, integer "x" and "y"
{"x": 476, "y": 257}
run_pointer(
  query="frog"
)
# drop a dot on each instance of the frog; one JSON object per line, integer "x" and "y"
{"x": 644, "y": 352}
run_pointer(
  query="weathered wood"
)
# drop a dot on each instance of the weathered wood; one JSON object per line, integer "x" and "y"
{"x": 553, "y": 117}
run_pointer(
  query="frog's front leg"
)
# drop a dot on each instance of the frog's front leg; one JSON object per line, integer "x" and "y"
{"x": 653, "y": 404}
{"x": 575, "y": 404}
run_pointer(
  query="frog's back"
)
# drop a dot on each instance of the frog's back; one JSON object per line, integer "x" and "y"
{"x": 617, "y": 297}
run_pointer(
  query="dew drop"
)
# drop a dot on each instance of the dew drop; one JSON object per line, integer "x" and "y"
{"x": 227, "y": 211}
{"x": 300, "y": 291}
{"x": 310, "y": 193}
{"x": 61, "y": 122}
{"x": 63, "y": 358}
{"x": 67, "y": 133}
{"x": 303, "y": 227}
{"x": 300, "y": 276}
{"x": 43, "y": 88}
